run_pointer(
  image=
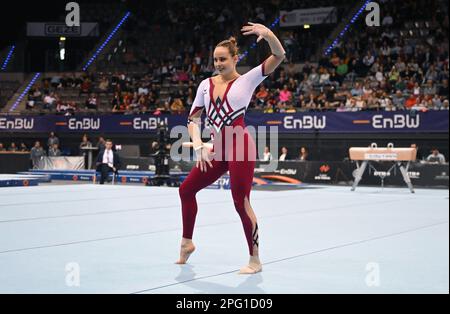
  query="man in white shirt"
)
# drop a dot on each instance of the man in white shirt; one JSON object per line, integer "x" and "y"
{"x": 108, "y": 161}
{"x": 436, "y": 157}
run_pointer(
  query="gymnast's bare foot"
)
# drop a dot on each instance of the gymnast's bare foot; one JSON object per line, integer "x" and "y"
{"x": 254, "y": 266}
{"x": 187, "y": 248}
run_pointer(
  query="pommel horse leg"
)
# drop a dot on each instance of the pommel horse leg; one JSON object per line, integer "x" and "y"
{"x": 405, "y": 175}
{"x": 359, "y": 173}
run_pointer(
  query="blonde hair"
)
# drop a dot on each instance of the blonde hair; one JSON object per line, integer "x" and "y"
{"x": 231, "y": 45}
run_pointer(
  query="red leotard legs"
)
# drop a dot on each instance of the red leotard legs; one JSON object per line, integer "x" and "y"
{"x": 241, "y": 178}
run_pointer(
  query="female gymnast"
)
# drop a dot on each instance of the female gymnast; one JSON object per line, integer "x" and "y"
{"x": 225, "y": 98}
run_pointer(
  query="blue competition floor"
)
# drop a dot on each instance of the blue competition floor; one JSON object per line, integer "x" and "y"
{"x": 125, "y": 239}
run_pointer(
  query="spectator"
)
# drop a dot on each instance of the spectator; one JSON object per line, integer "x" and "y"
{"x": 54, "y": 151}
{"x": 91, "y": 102}
{"x": 261, "y": 96}
{"x": 436, "y": 157}
{"x": 177, "y": 106}
{"x": 143, "y": 90}
{"x": 267, "y": 156}
{"x": 85, "y": 87}
{"x": 2, "y": 148}
{"x": 23, "y": 147}
{"x": 284, "y": 154}
{"x": 357, "y": 90}
{"x": 285, "y": 95}
{"x": 303, "y": 156}
{"x": 443, "y": 90}
{"x": 85, "y": 143}
{"x": 398, "y": 100}
{"x": 49, "y": 101}
{"x": 13, "y": 147}
{"x": 341, "y": 71}
{"x": 103, "y": 86}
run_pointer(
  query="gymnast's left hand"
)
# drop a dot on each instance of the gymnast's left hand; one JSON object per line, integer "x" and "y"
{"x": 256, "y": 29}
{"x": 204, "y": 157}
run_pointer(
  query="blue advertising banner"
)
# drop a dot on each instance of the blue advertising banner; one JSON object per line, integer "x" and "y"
{"x": 321, "y": 122}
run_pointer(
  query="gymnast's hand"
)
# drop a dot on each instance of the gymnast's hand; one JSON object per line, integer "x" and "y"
{"x": 255, "y": 29}
{"x": 204, "y": 156}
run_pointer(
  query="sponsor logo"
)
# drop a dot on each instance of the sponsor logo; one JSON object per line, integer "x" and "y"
{"x": 84, "y": 124}
{"x": 224, "y": 182}
{"x": 382, "y": 174}
{"x": 258, "y": 170}
{"x": 414, "y": 174}
{"x": 323, "y": 176}
{"x": 148, "y": 124}
{"x": 398, "y": 121}
{"x": 305, "y": 122}
{"x": 372, "y": 156}
{"x": 16, "y": 124}
{"x": 132, "y": 167}
{"x": 289, "y": 172}
{"x": 442, "y": 176}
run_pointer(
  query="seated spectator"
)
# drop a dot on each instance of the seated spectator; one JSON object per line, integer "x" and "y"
{"x": 393, "y": 75}
{"x": 341, "y": 71}
{"x": 357, "y": 90}
{"x": 436, "y": 102}
{"x": 303, "y": 155}
{"x": 313, "y": 78}
{"x": 55, "y": 82}
{"x": 429, "y": 89}
{"x": 412, "y": 101}
{"x": 267, "y": 156}
{"x": 13, "y": 147}
{"x": 435, "y": 157}
{"x": 103, "y": 86}
{"x": 49, "y": 101}
{"x": 85, "y": 87}
{"x": 284, "y": 154}
{"x": 143, "y": 90}
{"x": 324, "y": 77}
{"x": 23, "y": 147}
{"x": 398, "y": 100}
{"x": 91, "y": 102}
{"x": 443, "y": 90}
{"x": 177, "y": 106}
{"x": 285, "y": 95}
{"x": 261, "y": 96}
{"x": 2, "y": 148}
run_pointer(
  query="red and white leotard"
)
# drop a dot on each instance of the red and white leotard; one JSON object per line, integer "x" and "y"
{"x": 237, "y": 96}
{"x": 220, "y": 113}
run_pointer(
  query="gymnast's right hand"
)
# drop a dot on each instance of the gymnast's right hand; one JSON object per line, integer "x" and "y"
{"x": 204, "y": 156}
